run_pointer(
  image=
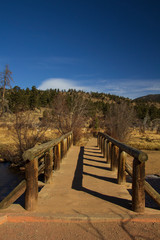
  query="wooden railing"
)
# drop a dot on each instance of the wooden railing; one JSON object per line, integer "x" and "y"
{"x": 115, "y": 153}
{"x": 39, "y": 159}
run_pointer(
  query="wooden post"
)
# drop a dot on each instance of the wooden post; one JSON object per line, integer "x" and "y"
{"x": 116, "y": 156}
{"x": 121, "y": 177}
{"x": 57, "y": 157}
{"x": 138, "y": 193}
{"x": 68, "y": 143}
{"x": 31, "y": 194}
{"x": 65, "y": 141}
{"x": 105, "y": 148}
{"x": 102, "y": 145}
{"x": 71, "y": 139}
{"x": 62, "y": 149}
{"x": 113, "y": 156}
{"x": 109, "y": 152}
{"x": 59, "y": 151}
{"x": 48, "y": 171}
{"x": 98, "y": 140}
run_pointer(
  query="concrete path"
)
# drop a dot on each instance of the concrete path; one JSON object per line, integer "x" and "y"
{"x": 84, "y": 187}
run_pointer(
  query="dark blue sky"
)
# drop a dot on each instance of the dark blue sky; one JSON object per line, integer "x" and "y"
{"x": 95, "y": 45}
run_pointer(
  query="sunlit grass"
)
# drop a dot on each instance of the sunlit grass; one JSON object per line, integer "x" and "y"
{"x": 149, "y": 140}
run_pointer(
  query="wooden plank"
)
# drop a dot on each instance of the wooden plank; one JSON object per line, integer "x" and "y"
{"x": 152, "y": 192}
{"x": 129, "y": 169}
{"x": 41, "y": 169}
{"x": 13, "y": 195}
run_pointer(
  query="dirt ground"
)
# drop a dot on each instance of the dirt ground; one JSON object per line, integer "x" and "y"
{"x": 89, "y": 230}
{"x": 153, "y": 162}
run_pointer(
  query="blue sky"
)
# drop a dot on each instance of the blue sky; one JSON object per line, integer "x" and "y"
{"x": 110, "y": 46}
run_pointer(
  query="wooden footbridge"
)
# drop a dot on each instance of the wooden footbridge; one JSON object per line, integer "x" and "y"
{"x": 89, "y": 181}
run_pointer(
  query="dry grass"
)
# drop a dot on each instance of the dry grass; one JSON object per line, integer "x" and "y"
{"x": 9, "y": 144}
{"x": 149, "y": 140}
{"x": 7, "y": 138}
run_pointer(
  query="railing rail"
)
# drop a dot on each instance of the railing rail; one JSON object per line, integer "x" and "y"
{"x": 39, "y": 159}
{"x": 115, "y": 154}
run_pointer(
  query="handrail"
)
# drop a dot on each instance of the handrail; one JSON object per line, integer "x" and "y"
{"x": 141, "y": 156}
{"x": 115, "y": 154}
{"x": 39, "y": 159}
{"x": 39, "y": 150}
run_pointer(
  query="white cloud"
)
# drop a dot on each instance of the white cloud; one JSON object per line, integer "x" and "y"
{"x": 122, "y": 87}
{"x": 60, "y": 83}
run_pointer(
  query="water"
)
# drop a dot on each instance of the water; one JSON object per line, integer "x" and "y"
{"x": 9, "y": 179}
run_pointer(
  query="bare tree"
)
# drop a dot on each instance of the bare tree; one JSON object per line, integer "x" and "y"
{"x": 69, "y": 113}
{"x": 119, "y": 120}
{"x": 5, "y": 81}
{"x": 27, "y": 132}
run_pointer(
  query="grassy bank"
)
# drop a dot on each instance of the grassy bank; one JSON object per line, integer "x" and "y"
{"x": 149, "y": 140}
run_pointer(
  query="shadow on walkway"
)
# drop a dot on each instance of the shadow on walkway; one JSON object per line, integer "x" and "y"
{"x": 77, "y": 183}
{"x": 78, "y": 175}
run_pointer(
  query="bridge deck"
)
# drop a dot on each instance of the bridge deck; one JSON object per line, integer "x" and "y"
{"x": 85, "y": 187}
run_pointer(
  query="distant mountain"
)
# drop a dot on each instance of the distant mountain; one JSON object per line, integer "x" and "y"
{"x": 149, "y": 98}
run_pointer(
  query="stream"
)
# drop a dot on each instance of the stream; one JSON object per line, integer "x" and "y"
{"x": 9, "y": 179}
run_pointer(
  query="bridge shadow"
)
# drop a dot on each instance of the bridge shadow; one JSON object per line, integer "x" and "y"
{"x": 113, "y": 180}
{"x": 77, "y": 182}
{"x": 78, "y": 176}
{"x": 91, "y": 155}
{"x": 93, "y": 160}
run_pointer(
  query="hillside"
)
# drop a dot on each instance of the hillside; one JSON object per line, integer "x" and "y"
{"x": 149, "y": 98}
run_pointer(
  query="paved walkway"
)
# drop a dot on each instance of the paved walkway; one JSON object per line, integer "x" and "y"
{"x": 84, "y": 187}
